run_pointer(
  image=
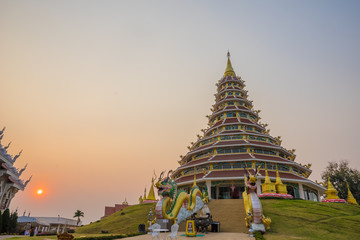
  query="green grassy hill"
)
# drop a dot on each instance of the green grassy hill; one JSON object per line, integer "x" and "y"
{"x": 291, "y": 219}
{"x": 298, "y": 219}
{"x": 125, "y": 221}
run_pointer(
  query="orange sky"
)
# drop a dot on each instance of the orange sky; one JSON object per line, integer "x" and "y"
{"x": 101, "y": 94}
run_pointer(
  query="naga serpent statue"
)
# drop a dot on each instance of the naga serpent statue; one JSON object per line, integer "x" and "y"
{"x": 177, "y": 205}
{"x": 254, "y": 219}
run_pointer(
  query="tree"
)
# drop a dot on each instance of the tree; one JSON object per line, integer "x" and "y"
{"x": 6, "y": 221}
{"x": 340, "y": 174}
{"x": 78, "y": 214}
{"x": 13, "y": 222}
{"x": 1, "y": 223}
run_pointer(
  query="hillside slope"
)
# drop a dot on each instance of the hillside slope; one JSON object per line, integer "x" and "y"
{"x": 291, "y": 219}
{"x": 299, "y": 219}
{"x": 125, "y": 221}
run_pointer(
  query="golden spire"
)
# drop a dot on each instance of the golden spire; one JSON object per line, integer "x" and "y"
{"x": 267, "y": 178}
{"x": 194, "y": 185}
{"x": 350, "y": 198}
{"x": 268, "y": 186}
{"x": 229, "y": 71}
{"x": 331, "y": 192}
{"x": 144, "y": 194}
{"x": 280, "y": 187}
{"x": 278, "y": 179}
{"x": 151, "y": 195}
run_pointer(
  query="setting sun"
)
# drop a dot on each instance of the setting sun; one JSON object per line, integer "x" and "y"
{"x": 39, "y": 192}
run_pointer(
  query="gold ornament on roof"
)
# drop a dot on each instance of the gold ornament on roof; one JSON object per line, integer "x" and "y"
{"x": 229, "y": 71}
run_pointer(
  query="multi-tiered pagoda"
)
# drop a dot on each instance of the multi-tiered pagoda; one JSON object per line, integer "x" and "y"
{"x": 234, "y": 140}
{"x": 10, "y": 182}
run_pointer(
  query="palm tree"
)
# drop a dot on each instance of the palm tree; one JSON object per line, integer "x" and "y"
{"x": 78, "y": 214}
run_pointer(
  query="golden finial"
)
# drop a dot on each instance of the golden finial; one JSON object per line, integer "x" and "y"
{"x": 350, "y": 198}
{"x": 229, "y": 71}
{"x": 194, "y": 185}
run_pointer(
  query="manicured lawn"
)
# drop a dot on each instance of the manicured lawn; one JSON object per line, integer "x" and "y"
{"x": 76, "y": 235}
{"x": 122, "y": 222}
{"x": 299, "y": 219}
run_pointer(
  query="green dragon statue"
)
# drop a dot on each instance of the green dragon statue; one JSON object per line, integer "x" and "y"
{"x": 177, "y": 205}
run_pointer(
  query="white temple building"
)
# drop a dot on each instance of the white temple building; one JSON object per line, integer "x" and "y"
{"x": 10, "y": 181}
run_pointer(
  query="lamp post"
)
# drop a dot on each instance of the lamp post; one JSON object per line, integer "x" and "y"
{"x": 150, "y": 217}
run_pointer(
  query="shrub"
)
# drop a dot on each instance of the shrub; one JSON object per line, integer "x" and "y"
{"x": 259, "y": 236}
{"x": 46, "y": 234}
{"x": 111, "y": 237}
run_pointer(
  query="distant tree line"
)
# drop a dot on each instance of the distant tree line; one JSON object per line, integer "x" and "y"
{"x": 340, "y": 174}
{"x": 8, "y": 222}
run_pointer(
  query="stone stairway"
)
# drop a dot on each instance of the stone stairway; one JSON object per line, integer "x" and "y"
{"x": 229, "y": 212}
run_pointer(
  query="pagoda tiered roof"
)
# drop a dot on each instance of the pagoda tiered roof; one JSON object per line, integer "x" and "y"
{"x": 235, "y": 137}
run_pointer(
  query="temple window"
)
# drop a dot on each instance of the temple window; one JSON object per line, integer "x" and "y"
{"x": 230, "y": 103}
{"x": 264, "y": 151}
{"x": 237, "y": 93}
{"x": 261, "y": 139}
{"x": 230, "y": 93}
{"x": 258, "y": 130}
{"x": 243, "y": 115}
{"x": 222, "y": 166}
{"x": 283, "y": 167}
{"x": 231, "y": 127}
{"x": 239, "y": 165}
{"x": 230, "y": 114}
{"x": 202, "y": 168}
{"x": 249, "y": 128}
{"x": 203, "y": 154}
{"x": 271, "y": 166}
{"x": 225, "y": 137}
{"x": 188, "y": 171}
{"x": 261, "y": 164}
{"x": 248, "y": 164}
{"x": 231, "y": 150}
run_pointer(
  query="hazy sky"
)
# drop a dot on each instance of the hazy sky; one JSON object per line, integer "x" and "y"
{"x": 100, "y": 93}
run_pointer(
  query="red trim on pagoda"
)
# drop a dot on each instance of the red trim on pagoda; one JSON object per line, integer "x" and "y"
{"x": 275, "y": 195}
{"x": 271, "y": 158}
{"x": 231, "y": 120}
{"x": 230, "y": 107}
{"x": 334, "y": 200}
{"x": 189, "y": 178}
{"x": 217, "y": 124}
{"x": 242, "y": 108}
{"x": 202, "y": 147}
{"x": 221, "y": 174}
{"x": 244, "y": 120}
{"x": 192, "y": 163}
